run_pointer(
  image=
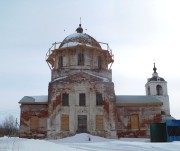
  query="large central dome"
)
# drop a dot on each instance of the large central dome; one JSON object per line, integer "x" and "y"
{"x": 79, "y": 38}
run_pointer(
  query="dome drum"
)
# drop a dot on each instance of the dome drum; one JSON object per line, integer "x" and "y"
{"x": 57, "y": 47}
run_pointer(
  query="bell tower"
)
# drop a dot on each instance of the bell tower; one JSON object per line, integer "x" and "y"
{"x": 156, "y": 86}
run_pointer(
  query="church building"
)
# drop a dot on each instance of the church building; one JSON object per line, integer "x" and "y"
{"x": 81, "y": 96}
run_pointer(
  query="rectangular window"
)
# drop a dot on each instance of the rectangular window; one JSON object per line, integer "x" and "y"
{"x": 99, "y": 62}
{"x": 81, "y": 59}
{"x": 82, "y": 99}
{"x": 134, "y": 122}
{"x": 99, "y": 99}
{"x": 65, "y": 99}
{"x": 65, "y": 122}
{"x": 99, "y": 122}
{"x": 34, "y": 123}
{"x": 60, "y": 62}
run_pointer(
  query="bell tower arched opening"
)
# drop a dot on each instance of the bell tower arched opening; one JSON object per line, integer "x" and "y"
{"x": 159, "y": 90}
{"x": 148, "y": 90}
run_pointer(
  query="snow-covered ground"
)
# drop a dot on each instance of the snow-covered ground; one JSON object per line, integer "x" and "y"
{"x": 80, "y": 142}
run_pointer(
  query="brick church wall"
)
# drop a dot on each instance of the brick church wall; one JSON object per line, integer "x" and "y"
{"x": 135, "y": 120}
{"x": 33, "y": 122}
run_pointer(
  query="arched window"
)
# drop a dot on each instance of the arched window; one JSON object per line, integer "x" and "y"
{"x": 148, "y": 90}
{"x": 159, "y": 90}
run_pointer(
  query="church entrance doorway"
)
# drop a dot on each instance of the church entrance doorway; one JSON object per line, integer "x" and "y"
{"x": 82, "y": 123}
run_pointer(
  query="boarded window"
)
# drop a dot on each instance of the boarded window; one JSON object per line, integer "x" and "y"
{"x": 81, "y": 59}
{"x": 134, "y": 122}
{"x": 82, "y": 99}
{"x": 65, "y": 99}
{"x": 99, "y": 99}
{"x": 99, "y": 122}
{"x": 65, "y": 122}
{"x": 60, "y": 62}
{"x": 99, "y": 62}
{"x": 34, "y": 123}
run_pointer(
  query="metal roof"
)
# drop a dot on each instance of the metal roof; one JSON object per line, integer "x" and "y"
{"x": 136, "y": 99}
{"x": 34, "y": 99}
{"x": 156, "y": 79}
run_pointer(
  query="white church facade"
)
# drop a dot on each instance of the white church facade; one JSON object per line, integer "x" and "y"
{"x": 81, "y": 96}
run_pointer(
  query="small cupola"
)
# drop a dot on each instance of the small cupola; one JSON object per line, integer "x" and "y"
{"x": 79, "y": 29}
{"x": 155, "y": 76}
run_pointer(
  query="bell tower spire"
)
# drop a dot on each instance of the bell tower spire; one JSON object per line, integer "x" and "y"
{"x": 154, "y": 68}
{"x": 155, "y": 74}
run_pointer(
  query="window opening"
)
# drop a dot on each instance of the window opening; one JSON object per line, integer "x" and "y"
{"x": 60, "y": 62}
{"x": 159, "y": 90}
{"x": 99, "y": 99}
{"x": 81, "y": 59}
{"x": 99, "y": 62}
{"x": 65, "y": 99}
{"x": 82, "y": 99}
{"x": 148, "y": 90}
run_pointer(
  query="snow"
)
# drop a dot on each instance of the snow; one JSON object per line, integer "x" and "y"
{"x": 60, "y": 78}
{"x": 72, "y": 40}
{"x": 74, "y": 35}
{"x": 42, "y": 98}
{"x": 27, "y": 99}
{"x": 80, "y": 142}
{"x": 71, "y": 44}
{"x": 104, "y": 79}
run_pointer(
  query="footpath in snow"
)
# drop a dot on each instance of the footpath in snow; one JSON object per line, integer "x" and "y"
{"x": 85, "y": 142}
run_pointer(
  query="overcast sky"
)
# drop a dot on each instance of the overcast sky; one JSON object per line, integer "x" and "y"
{"x": 137, "y": 31}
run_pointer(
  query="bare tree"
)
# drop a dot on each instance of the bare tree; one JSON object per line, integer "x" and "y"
{"x": 1, "y": 130}
{"x": 9, "y": 126}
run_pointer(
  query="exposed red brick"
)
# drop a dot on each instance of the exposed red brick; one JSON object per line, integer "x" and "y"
{"x": 106, "y": 106}
{"x": 25, "y": 115}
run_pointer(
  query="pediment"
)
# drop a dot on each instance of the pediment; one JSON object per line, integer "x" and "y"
{"x": 82, "y": 77}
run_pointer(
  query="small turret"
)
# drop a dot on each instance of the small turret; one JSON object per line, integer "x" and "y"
{"x": 79, "y": 29}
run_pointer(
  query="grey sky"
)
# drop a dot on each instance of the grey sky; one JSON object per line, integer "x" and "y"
{"x": 138, "y": 31}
